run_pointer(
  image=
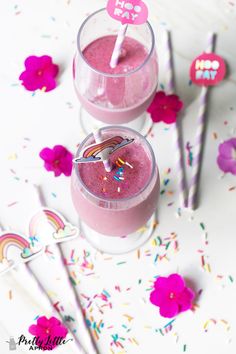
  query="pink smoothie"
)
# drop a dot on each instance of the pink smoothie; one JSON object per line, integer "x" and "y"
{"x": 120, "y": 202}
{"x": 125, "y": 180}
{"x": 98, "y": 55}
{"x": 118, "y": 99}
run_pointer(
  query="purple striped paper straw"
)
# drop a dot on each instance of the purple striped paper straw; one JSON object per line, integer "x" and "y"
{"x": 176, "y": 133}
{"x": 55, "y": 294}
{"x": 199, "y": 139}
{"x": 98, "y": 138}
{"x": 118, "y": 46}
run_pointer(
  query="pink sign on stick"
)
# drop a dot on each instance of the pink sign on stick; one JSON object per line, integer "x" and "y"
{"x": 207, "y": 69}
{"x": 128, "y": 11}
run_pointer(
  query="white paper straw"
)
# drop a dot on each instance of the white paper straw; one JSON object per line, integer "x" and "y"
{"x": 199, "y": 139}
{"x": 98, "y": 138}
{"x": 176, "y": 132}
{"x": 82, "y": 335}
{"x": 118, "y": 46}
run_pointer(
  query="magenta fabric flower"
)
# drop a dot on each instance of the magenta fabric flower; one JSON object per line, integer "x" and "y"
{"x": 227, "y": 156}
{"x": 48, "y": 331}
{"x": 58, "y": 159}
{"x": 40, "y": 73}
{"x": 171, "y": 295}
{"x": 164, "y": 108}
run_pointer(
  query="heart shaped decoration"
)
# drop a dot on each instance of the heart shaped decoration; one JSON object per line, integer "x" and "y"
{"x": 128, "y": 11}
{"x": 207, "y": 69}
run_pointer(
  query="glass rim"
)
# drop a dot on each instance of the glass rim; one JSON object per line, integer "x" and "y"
{"x": 107, "y": 74}
{"x": 121, "y": 200}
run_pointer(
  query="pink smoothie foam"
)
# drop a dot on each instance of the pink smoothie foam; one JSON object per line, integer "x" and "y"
{"x": 116, "y": 207}
{"x": 118, "y": 99}
{"x": 98, "y": 55}
{"x": 125, "y": 180}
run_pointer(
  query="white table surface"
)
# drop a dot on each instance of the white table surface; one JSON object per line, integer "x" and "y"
{"x": 29, "y": 123}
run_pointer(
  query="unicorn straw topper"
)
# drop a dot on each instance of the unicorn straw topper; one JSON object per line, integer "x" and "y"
{"x": 100, "y": 151}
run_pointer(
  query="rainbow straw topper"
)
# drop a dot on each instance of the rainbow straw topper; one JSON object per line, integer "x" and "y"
{"x": 50, "y": 225}
{"x": 16, "y": 249}
{"x": 46, "y": 227}
{"x": 101, "y": 151}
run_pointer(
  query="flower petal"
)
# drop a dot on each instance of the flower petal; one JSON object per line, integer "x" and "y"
{"x": 169, "y": 309}
{"x": 225, "y": 149}
{"x": 59, "y": 151}
{"x": 159, "y": 115}
{"x": 59, "y": 331}
{"x": 66, "y": 166}
{"x": 32, "y": 63}
{"x": 43, "y": 322}
{"x": 51, "y": 70}
{"x": 226, "y": 165}
{"x": 31, "y": 81}
{"x": 34, "y": 330}
{"x": 47, "y": 154}
{"x": 158, "y": 101}
{"x": 158, "y": 297}
{"x": 175, "y": 283}
{"x": 170, "y": 116}
{"x": 174, "y": 103}
{"x": 53, "y": 321}
{"x": 185, "y": 299}
{"x": 161, "y": 282}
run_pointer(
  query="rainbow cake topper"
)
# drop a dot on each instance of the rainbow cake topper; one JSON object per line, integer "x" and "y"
{"x": 101, "y": 151}
{"x": 10, "y": 244}
{"x": 51, "y": 227}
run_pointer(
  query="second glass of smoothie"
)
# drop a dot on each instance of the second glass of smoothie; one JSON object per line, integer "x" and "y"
{"x": 117, "y": 95}
{"x": 113, "y": 206}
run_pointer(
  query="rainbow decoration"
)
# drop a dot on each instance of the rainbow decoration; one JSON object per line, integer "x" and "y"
{"x": 61, "y": 229}
{"x": 11, "y": 240}
{"x": 91, "y": 152}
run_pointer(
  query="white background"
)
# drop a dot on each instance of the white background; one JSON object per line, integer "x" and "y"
{"x": 29, "y": 123}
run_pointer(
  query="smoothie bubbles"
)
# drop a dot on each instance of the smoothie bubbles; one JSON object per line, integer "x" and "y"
{"x": 115, "y": 67}
{"x": 116, "y": 208}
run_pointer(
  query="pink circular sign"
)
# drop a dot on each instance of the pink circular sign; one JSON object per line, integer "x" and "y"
{"x": 207, "y": 69}
{"x": 128, "y": 11}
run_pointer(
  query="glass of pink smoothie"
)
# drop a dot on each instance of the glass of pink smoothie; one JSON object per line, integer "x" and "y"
{"x": 115, "y": 206}
{"x": 120, "y": 95}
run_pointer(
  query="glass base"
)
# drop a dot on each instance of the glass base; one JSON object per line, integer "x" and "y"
{"x": 88, "y": 123}
{"x": 119, "y": 245}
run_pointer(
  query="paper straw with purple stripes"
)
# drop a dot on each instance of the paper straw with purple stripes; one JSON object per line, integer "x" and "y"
{"x": 98, "y": 138}
{"x": 199, "y": 140}
{"x": 56, "y": 292}
{"x": 118, "y": 46}
{"x": 176, "y": 133}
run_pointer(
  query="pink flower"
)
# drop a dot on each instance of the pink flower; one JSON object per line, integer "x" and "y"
{"x": 227, "y": 156}
{"x": 171, "y": 295}
{"x": 164, "y": 108}
{"x": 48, "y": 331}
{"x": 40, "y": 73}
{"x": 58, "y": 159}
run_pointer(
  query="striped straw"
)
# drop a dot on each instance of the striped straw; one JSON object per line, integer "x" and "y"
{"x": 176, "y": 132}
{"x": 37, "y": 267}
{"x": 98, "y": 138}
{"x": 199, "y": 139}
{"x": 118, "y": 46}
